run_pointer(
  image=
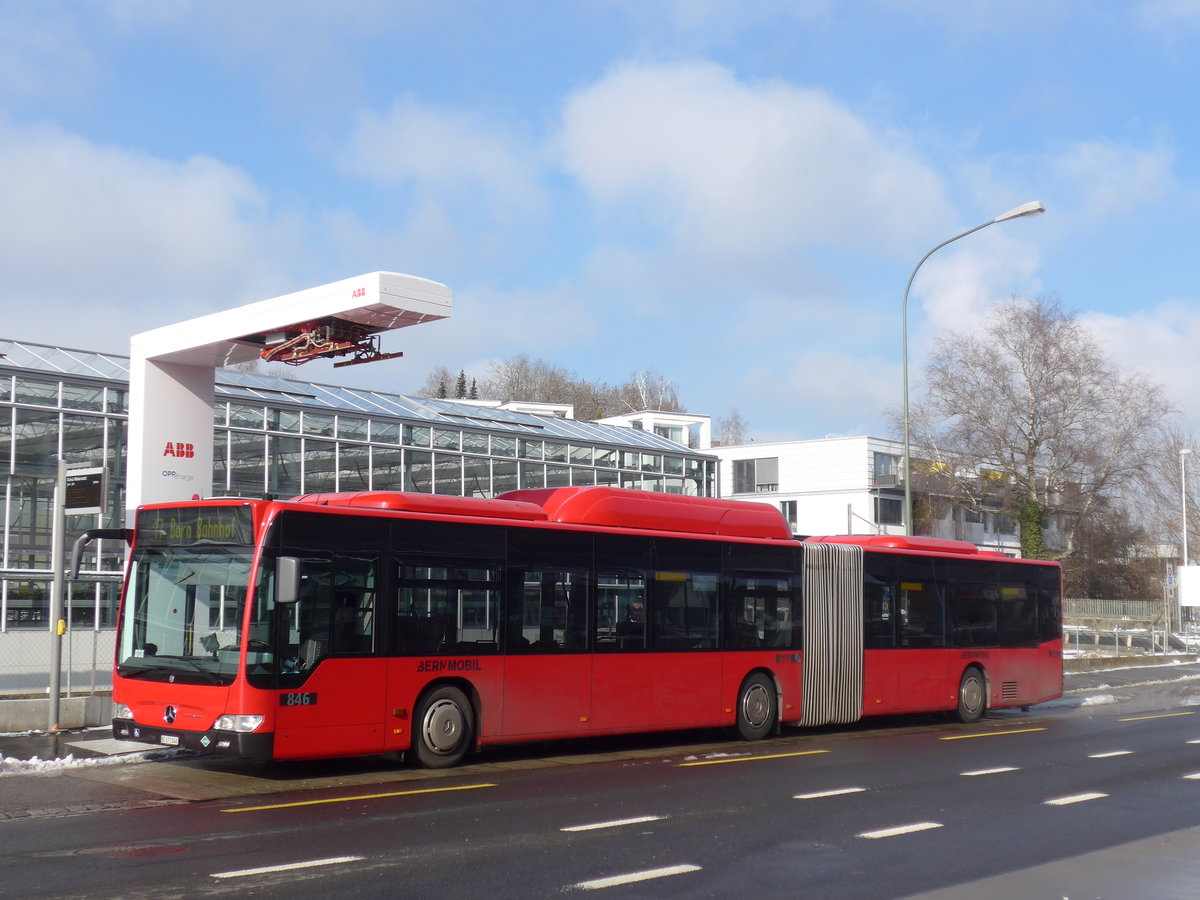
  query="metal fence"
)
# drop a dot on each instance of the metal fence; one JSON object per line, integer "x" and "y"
{"x": 1129, "y": 610}
{"x": 87, "y": 661}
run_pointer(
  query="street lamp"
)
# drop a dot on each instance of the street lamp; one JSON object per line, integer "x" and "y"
{"x": 1033, "y": 208}
{"x": 1183, "y": 497}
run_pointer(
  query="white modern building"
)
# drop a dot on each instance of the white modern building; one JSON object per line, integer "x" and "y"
{"x": 845, "y": 485}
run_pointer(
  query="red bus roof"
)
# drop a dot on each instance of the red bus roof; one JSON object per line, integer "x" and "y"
{"x": 434, "y": 504}
{"x": 623, "y": 508}
{"x": 590, "y": 506}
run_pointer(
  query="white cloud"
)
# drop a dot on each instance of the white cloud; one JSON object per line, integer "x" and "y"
{"x": 1159, "y": 342}
{"x": 1168, "y": 16}
{"x": 1102, "y": 180}
{"x": 43, "y": 54}
{"x": 956, "y": 287}
{"x": 100, "y": 242}
{"x": 737, "y": 169}
{"x": 449, "y": 154}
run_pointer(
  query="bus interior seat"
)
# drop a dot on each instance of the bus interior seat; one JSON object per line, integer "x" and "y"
{"x": 311, "y": 652}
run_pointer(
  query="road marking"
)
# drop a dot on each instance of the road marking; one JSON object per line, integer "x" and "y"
{"x": 267, "y": 870}
{"x": 834, "y": 793}
{"x": 995, "y": 771}
{"x": 900, "y": 829}
{"x": 441, "y": 790}
{"x": 1195, "y": 776}
{"x": 1197, "y": 741}
{"x": 1163, "y": 716}
{"x": 1074, "y": 798}
{"x": 1110, "y": 753}
{"x": 965, "y": 737}
{"x": 616, "y": 823}
{"x": 633, "y": 877}
{"x": 741, "y": 759}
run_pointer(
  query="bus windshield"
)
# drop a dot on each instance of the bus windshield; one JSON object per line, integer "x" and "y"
{"x": 184, "y": 613}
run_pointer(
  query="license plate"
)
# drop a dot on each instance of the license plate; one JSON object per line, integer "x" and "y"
{"x": 171, "y": 740}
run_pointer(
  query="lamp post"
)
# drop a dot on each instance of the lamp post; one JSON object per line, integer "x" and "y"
{"x": 1183, "y": 497}
{"x": 1033, "y": 208}
{"x": 1184, "y": 560}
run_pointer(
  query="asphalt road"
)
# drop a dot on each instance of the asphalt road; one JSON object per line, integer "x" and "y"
{"x": 1093, "y": 795}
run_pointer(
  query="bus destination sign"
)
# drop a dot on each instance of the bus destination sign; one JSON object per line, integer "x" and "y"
{"x": 186, "y": 526}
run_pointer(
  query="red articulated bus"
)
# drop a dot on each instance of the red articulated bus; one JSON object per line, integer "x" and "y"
{"x": 367, "y": 623}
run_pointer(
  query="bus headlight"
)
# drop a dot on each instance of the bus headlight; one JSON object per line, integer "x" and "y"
{"x": 121, "y": 711}
{"x": 238, "y": 724}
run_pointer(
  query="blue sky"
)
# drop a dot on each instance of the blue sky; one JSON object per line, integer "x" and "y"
{"x": 730, "y": 192}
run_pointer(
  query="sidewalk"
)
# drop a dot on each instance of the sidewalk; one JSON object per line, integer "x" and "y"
{"x": 21, "y": 751}
{"x": 30, "y": 745}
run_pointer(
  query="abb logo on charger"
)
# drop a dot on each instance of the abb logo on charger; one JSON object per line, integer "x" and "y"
{"x": 179, "y": 450}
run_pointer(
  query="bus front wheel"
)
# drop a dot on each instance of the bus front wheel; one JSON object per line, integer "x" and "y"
{"x": 756, "y": 707}
{"x": 445, "y": 728}
{"x": 972, "y": 696}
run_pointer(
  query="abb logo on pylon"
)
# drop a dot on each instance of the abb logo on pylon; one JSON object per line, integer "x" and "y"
{"x": 179, "y": 450}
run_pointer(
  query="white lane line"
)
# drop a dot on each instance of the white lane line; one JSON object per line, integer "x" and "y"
{"x": 1074, "y": 798}
{"x": 633, "y": 877}
{"x": 996, "y": 771}
{"x": 267, "y": 870}
{"x": 1109, "y": 753}
{"x": 837, "y": 792}
{"x": 1195, "y": 776}
{"x": 1196, "y": 741}
{"x": 615, "y": 823}
{"x": 900, "y": 829}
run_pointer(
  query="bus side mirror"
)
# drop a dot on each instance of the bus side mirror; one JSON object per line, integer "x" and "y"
{"x": 107, "y": 534}
{"x": 287, "y": 579}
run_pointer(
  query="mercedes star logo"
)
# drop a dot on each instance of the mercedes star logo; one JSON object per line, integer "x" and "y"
{"x": 169, "y": 715}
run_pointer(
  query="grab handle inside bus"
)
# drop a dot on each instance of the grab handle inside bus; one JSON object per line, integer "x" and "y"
{"x": 106, "y": 534}
{"x": 287, "y": 579}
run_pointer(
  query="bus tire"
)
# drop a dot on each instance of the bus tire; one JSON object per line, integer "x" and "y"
{"x": 445, "y": 728}
{"x": 757, "y": 707}
{"x": 972, "y": 696}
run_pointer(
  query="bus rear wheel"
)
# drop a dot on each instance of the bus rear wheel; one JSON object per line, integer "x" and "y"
{"x": 445, "y": 728}
{"x": 972, "y": 696}
{"x": 756, "y": 707}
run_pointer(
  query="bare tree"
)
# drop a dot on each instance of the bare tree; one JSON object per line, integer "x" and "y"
{"x": 731, "y": 429}
{"x": 1031, "y": 413}
{"x": 648, "y": 390}
{"x": 523, "y": 378}
{"x": 436, "y": 384}
{"x": 1160, "y": 496}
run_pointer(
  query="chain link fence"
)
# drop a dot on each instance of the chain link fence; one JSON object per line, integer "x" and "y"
{"x": 87, "y": 661}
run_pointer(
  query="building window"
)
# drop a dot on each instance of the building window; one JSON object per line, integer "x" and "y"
{"x": 756, "y": 476}
{"x": 671, "y": 433}
{"x": 889, "y": 511}
{"x": 885, "y": 470}
{"x": 790, "y": 510}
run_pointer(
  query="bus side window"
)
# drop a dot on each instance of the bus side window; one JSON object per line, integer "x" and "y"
{"x": 306, "y": 623}
{"x": 622, "y": 604}
{"x": 622, "y": 576}
{"x": 446, "y": 609}
{"x": 353, "y": 607}
{"x": 763, "y": 608}
{"x": 922, "y": 606}
{"x": 552, "y": 612}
